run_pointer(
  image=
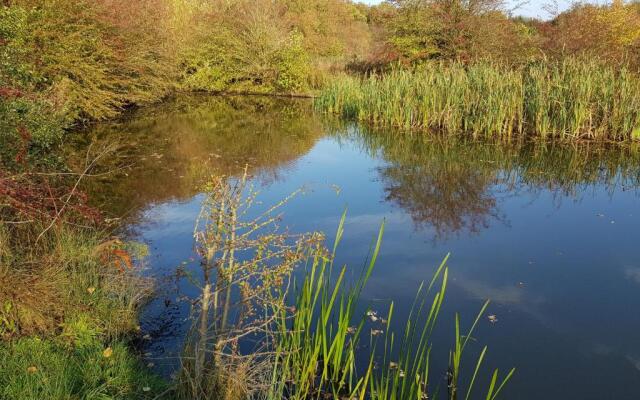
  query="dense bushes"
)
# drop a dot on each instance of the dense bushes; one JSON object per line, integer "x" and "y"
{"x": 267, "y": 46}
{"x": 89, "y": 59}
{"x": 420, "y": 30}
{"x": 64, "y": 62}
{"x": 68, "y": 61}
{"x": 610, "y": 32}
{"x": 246, "y": 48}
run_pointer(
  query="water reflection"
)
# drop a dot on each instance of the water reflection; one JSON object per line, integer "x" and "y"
{"x": 546, "y": 231}
{"x": 454, "y": 185}
{"x": 166, "y": 152}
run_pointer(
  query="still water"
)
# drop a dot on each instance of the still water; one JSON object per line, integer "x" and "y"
{"x": 547, "y": 232}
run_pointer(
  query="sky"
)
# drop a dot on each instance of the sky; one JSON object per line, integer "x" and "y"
{"x": 532, "y": 8}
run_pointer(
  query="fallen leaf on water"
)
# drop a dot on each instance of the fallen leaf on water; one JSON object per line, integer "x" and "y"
{"x": 492, "y": 318}
{"x": 376, "y": 332}
{"x": 108, "y": 352}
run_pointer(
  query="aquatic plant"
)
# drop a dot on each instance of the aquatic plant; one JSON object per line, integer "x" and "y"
{"x": 320, "y": 350}
{"x": 571, "y": 99}
{"x": 304, "y": 342}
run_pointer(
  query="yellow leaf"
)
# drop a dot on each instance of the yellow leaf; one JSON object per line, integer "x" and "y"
{"x": 108, "y": 352}
{"x": 32, "y": 369}
{"x": 91, "y": 290}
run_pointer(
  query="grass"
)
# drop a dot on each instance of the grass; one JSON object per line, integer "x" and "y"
{"x": 66, "y": 317}
{"x": 320, "y": 351}
{"x": 35, "y": 368}
{"x": 571, "y": 99}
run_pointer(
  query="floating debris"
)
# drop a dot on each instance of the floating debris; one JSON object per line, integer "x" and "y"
{"x": 376, "y": 332}
{"x": 600, "y": 215}
{"x": 373, "y": 316}
{"x": 393, "y": 365}
{"x": 351, "y": 330}
{"x": 383, "y": 321}
{"x": 493, "y": 318}
{"x": 147, "y": 337}
{"x": 150, "y": 365}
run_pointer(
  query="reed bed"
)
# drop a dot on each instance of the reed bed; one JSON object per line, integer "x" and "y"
{"x": 572, "y": 99}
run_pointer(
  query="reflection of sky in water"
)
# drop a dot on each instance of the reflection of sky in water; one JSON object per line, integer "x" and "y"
{"x": 564, "y": 282}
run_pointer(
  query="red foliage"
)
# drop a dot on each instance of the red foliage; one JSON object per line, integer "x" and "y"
{"x": 7, "y": 92}
{"x": 25, "y": 137}
{"x": 42, "y": 198}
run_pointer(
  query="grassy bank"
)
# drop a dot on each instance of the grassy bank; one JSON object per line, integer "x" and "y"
{"x": 573, "y": 99}
{"x": 68, "y": 303}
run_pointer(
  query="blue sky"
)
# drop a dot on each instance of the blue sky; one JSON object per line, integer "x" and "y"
{"x": 534, "y": 8}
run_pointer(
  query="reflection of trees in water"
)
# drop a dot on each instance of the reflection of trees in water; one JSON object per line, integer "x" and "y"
{"x": 454, "y": 185}
{"x": 174, "y": 147}
{"x": 448, "y": 201}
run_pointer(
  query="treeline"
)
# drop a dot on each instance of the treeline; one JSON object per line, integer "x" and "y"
{"x": 66, "y": 62}
{"x": 413, "y": 31}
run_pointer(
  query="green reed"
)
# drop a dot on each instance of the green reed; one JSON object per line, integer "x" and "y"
{"x": 319, "y": 351}
{"x": 572, "y": 99}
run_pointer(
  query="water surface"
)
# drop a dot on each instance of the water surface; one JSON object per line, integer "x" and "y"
{"x": 547, "y": 232}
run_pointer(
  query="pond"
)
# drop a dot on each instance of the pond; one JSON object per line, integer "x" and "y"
{"x": 547, "y": 232}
